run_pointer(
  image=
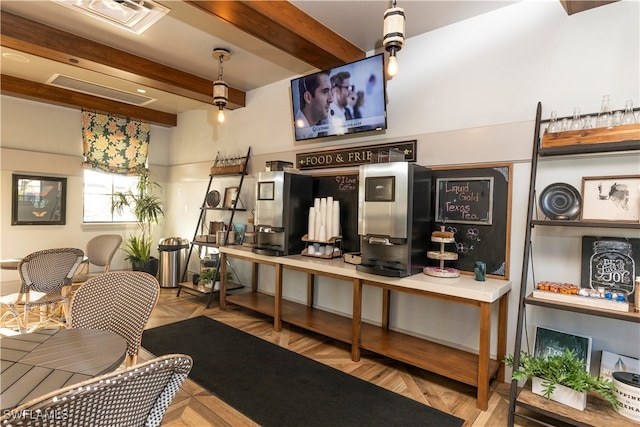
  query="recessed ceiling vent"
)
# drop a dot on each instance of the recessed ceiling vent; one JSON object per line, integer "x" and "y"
{"x": 132, "y": 15}
{"x": 71, "y": 83}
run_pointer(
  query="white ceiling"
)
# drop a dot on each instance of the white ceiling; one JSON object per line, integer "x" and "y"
{"x": 185, "y": 38}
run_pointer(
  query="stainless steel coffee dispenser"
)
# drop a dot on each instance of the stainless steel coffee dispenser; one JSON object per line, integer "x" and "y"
{"x": 394, "y": 216}
{"x": 282, "y": 212}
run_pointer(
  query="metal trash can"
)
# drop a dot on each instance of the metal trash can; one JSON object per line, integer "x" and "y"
{"x": 173, "y": 258}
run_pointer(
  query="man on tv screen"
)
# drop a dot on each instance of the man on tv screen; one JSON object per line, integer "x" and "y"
{"x": 339, "y": 112}
{"x": 315, "y": 99}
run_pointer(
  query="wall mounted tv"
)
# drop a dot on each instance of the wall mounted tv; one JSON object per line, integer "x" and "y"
{"x": 340, "y": 101}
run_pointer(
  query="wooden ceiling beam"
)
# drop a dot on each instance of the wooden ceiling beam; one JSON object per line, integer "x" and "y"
{"x": 47, "y": 42}
{"x": 27, "y": 89}
{"x": 577, "y": 6}
{"x": 286, "y": 27}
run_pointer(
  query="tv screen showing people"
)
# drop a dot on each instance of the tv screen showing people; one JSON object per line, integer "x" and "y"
{"x": 343, "y": 100}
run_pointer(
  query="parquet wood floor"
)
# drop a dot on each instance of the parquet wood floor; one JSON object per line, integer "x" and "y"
{"x": 194, "y": 406}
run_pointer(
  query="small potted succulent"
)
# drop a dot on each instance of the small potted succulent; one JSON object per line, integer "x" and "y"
{"x": 563, "y": 378}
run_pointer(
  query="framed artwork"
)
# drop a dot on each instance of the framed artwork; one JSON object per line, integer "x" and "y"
{"x": 551, "y": 342}
{"x": 611, "y": 198}
{"x": 230, "y": 196}
{"x": 610, "y": 264}
{"x": 38, "y": 200}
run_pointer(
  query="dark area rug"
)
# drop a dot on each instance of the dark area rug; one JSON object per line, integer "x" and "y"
{"x": 276, "y": 387}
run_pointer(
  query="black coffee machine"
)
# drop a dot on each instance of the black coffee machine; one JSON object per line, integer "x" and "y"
{"x": 283, "y": 200}
{"x": 394, "y": 218}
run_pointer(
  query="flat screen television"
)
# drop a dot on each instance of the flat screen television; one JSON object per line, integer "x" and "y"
{"x": 343, "y": 100}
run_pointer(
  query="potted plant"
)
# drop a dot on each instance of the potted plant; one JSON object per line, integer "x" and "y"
{"x": 146, "y": 206}
{"x": 556, "y": 376}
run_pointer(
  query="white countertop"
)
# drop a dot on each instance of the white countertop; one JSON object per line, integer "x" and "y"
{"x": 464, "y": 286}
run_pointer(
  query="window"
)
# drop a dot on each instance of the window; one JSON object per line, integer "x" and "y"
{"x": 99, "y": 188}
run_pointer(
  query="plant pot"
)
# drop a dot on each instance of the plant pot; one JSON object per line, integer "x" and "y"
{"x": 150, "y": 266}
{"x": 561, "y": 394}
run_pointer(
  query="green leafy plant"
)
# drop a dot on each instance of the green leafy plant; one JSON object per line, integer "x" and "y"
{"x": 565, "y": 369}
{"x": 207, "y": 276}
{"x": 146, "y": 206}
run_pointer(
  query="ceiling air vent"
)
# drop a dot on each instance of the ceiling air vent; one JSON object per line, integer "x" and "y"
{"x": 71, "y": 83}
{"x": 132, "y": 15}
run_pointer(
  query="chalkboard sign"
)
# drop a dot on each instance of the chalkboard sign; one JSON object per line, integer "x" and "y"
{"x": 475, "y": 204}
{"x": 343, "y": 188}
{"x": 464, "y": 201}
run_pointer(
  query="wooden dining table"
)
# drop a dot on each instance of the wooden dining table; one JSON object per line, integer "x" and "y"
{"x": 39, "y": 362}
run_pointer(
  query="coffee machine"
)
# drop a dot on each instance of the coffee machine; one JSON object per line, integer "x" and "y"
{"x": 394, "y": 218}
{"x": 283, "y": 200}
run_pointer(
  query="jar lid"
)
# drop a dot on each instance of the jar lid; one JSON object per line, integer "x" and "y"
{"x": 628, "y": 378}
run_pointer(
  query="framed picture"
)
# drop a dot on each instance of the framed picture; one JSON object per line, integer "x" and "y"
{"x": 610, "y": 264}
{"x": 551, "y": 342}
{"x": 38, "y": 200}
{"x": 611, "y": 198}
{"x": 230, "y": 196}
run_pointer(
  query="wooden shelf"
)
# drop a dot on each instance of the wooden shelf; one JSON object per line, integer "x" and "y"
{"x": 207, "y": 290}
{"x": 598, "y": 411}
{"x": 198, "y": 288}
{"x": 319, "y": 321}
{"x": 573, "y": 223}
{"x": 223, "y": 209}
{"x": 594, "y": 311}
{"x": 443, "y": 360}
{"x": 617, "y": 138}
{"x": 255, "y": 301}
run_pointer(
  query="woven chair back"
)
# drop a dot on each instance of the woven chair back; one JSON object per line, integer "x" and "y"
{"x": 119, "y": 302}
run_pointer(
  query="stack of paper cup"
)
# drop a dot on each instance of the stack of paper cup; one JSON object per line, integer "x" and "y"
{"x": 324, "y": 219}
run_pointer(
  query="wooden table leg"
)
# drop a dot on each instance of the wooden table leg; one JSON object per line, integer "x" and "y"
{"x": 223, "y": 281}
{"x": 386, "y": 299}
{"x": 356, "y": 320}
{"x": 277, "y": 309}
{"x": 310, "y": 286}
{"x": 254, "y": 276}
{"x": 483, "y": 356}
{"x": 502, "y": 334}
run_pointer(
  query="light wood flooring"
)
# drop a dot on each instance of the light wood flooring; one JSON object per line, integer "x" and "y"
{"x": 194, "y": 406}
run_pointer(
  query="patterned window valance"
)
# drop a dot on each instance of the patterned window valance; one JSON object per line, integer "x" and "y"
{"x": 114, "y": 144}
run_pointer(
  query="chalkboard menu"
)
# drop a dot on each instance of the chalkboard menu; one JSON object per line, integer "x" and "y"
{"x": 474, "y": 203}
{"x": 464, "y": 200}
{"x": 343, "y": 188}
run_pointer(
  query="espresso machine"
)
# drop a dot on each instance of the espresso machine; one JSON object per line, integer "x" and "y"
{"x": 394, "y": 216}
{"x": 283, "y": 200}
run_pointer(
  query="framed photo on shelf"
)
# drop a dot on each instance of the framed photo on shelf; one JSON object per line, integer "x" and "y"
{"x": 551, "y": 342}
{"x": 611, "y": 198}
{"x": 38, "y": 200}
{"x": 230, "y": 196}
{"x": 610, "y": 264}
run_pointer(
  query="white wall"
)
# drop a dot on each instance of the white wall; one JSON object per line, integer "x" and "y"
{"x": 42, "y": 139}
{"x": 466, "y": 92}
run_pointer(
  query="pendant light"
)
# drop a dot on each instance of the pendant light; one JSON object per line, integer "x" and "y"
{"x": 220, "y": 87}
{"x": 393, "y": 36}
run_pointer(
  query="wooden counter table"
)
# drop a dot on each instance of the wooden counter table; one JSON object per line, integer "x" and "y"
{"x": 469, "y": 368}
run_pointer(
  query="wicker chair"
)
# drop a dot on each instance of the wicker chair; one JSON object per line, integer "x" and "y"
{"x": 45, "y": 275}
{"x": 119, "y": 302}
{"x": 99, "y": 252}
{"x": 135, "y": 396}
